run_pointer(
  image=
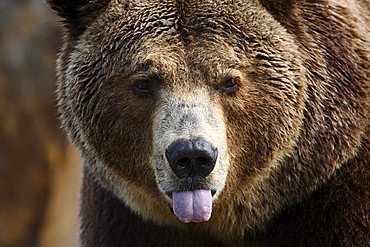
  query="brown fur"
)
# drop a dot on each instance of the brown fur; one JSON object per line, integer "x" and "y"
{"x": 297, "y": 129}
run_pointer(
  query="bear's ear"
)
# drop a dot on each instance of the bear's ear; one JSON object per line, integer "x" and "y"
{"x": 77, "y": 14}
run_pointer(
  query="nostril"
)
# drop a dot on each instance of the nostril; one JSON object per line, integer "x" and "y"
{"x": 204, "y": 165}
{"x": 183, "y": 163}
{"x": 203, "y": 161}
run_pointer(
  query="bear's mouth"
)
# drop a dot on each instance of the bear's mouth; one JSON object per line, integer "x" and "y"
{"x": 169, "y": 193}
{"x": 192, "y": 205}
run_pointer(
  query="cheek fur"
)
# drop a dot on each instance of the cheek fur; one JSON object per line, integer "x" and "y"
{"x": 118, "y": 127}
{"x": 260, "y": 129}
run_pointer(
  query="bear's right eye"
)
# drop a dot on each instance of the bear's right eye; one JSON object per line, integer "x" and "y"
{"x": 143, "y": 87}
{"x": 230, "y": 85}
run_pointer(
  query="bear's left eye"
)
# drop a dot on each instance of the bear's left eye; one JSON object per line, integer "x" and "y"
{"x": 230, "y": 85}
{"x": 142, "y": 87}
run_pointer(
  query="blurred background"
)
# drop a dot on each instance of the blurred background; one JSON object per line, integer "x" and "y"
{"x": 39, "y": 171}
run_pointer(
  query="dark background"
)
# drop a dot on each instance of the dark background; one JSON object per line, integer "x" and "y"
{"x": 39, "y": 171}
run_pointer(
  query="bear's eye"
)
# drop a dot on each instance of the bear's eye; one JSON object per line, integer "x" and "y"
{"x": 143, "y": 87}
{"x": 230, "y": 85}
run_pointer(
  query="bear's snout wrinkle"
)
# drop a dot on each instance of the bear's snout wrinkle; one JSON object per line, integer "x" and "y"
{"x": 191, "y": 158}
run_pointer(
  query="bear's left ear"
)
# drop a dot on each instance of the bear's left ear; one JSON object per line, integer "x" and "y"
{"x": 77, "y": 14}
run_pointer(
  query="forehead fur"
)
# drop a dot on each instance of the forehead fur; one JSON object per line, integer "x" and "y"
{"x": 175, "y": 36}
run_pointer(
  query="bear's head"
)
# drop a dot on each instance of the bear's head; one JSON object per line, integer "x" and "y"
{"x": 180, "y": 104}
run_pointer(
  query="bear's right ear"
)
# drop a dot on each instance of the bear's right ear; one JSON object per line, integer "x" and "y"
{"x": 77, "y": 14}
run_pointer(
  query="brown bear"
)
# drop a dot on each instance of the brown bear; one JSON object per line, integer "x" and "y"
{"x": 219, "y": 122}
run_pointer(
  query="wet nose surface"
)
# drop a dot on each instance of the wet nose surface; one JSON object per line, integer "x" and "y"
{"x": 191, "y": 157}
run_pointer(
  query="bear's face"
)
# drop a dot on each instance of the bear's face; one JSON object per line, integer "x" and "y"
{"x": 171, "y": 101}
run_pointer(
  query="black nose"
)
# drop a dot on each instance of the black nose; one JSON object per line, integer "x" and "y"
{"x": 191, "y": 158}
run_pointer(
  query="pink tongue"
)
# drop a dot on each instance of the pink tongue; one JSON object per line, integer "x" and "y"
{"x": 193, "y": 206}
